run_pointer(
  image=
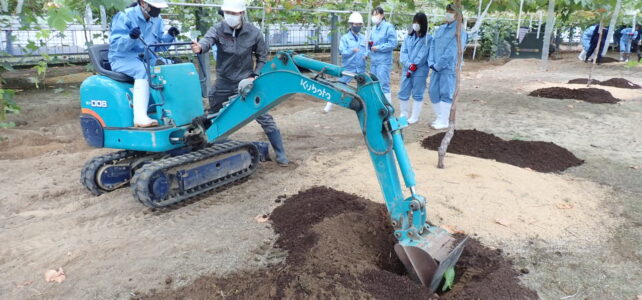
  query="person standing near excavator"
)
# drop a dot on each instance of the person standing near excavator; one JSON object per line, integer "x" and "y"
{"x": 442, "y": 60}
{"x": 353, "y": 51}
{"x": 238, "y": 43}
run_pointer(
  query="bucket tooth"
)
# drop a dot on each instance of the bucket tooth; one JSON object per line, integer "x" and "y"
{"x": 427, "y": 259}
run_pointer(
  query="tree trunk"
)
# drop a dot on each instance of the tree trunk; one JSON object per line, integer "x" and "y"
{"x": 19, "y": 6}
{"x": 3, "y": 115}
{"x": 597, "y": 54}
{"x": 609, "y": 35}
{"x": 519, "y": 20}
{"x": 453, "y": 109}
{"x": 550, "y": 20}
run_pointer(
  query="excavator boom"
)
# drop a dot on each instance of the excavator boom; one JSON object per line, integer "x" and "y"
{"x": 426, "y": 251}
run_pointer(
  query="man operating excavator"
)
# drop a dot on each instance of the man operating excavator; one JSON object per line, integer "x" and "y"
{"x": 238, "y": 42}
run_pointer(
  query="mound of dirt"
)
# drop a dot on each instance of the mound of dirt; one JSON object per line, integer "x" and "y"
{"x": 583, "y": 81}
{"x": 614, "y": 82}
{"x": 591, "y": 95}
{"x": 608, "y": 60}
{"x": 539, "y": 156}
{"x": 340, "y": 246}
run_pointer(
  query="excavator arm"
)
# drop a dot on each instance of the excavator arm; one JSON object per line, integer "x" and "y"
{"x": 426, "y": 251}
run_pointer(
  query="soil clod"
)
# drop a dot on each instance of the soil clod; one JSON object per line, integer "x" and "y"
{"x": 340, "y": 246}
{"x": 591, "y": 95}
{"x": 614, "y": 82}
{"x": 539, "y": 156}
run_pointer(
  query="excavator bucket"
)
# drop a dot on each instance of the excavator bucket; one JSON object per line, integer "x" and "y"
{"x": 427, "y": 259}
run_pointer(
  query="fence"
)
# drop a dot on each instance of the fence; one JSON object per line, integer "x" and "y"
{"x": 19, "y": 46}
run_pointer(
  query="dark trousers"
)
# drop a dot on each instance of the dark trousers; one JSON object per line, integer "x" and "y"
{"x": 224, "y": 89}
{"x": 635, "y": 48}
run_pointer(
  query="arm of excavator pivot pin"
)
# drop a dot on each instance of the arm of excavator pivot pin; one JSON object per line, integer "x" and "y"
{"x": 426, "y": 251}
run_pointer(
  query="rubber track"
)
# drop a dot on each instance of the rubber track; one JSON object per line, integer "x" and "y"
{"x": 141, "y": 180}
{"x": 88, "y": 173}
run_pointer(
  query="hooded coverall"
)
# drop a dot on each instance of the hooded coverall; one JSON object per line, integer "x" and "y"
{"x": 628, "y": 36}
{"x": 384, "y": 38}
{"x": 594, "y": 41}
{"x": 442, "y": 57}
{"x": 414, "y": 51}
{"x": 353, "y": 62}
{"x": 236, "y": 51}
{"x": 124, "y": 51}
{"x": 586, "y": 37}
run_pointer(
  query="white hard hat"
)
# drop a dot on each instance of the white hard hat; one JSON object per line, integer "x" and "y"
{"x": 157, "y": 3}
{"x": 355, "y": 17}
{"x": 233, "y": 5}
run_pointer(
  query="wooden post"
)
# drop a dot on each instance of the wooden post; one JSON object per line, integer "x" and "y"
{"x": 453, "y": 109}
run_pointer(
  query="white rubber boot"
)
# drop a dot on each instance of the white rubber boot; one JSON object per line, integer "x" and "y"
{"x": 388, "y": 97}
{"x": 327, "y": 108}
{"x": 416, "y": 111}
{"x": 582, "y": 55}
{"x": 141, "y": 101}
{"x": 435, "y": 108}
{"x": 403, "y": 108}
{"x": 444, "y": 116}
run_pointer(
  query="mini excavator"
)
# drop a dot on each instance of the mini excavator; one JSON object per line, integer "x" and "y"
{"x": 189, "y": 153}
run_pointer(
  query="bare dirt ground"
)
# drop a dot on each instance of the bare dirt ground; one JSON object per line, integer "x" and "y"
{"x": 578, "y": 233}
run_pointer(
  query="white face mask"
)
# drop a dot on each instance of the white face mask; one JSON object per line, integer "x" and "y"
{"x": 232, "y": 20}
{"x": 376, "y": 20}
{"x": 450, "y": 17}
{"x": 416, "y": 27}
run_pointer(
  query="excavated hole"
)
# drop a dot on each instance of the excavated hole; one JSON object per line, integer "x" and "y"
{"x": 340, "y": 246}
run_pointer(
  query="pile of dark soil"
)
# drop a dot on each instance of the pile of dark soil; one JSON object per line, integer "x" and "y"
{"x": 614, "y": 82}
{"x": 539, "y": 156}
{"x": 608, "y": 60}
{"x": 340, "y": 246}
{"x": 591, "y": 95}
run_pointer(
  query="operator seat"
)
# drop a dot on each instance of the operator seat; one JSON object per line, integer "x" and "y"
{"x": 99, "y": 58}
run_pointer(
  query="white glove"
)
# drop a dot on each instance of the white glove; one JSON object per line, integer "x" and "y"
{"x": 245, "y": 86}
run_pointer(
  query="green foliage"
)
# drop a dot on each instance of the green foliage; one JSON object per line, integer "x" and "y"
{"x": 449, "y": 279}
{"x": 59, "y": 17}
{"x": 495, "y": 36}
{"x": 7, "y": 105}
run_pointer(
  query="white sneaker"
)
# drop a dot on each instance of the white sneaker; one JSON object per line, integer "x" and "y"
{"x": 327, "y": 108}
{"x": 403, "y": 108}
{"x": 416, "y": 111}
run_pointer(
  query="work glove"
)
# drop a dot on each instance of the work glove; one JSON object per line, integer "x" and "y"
{"x": 245, "y": 86}
{"x": 408, "y": 74}
{"x": 412, "y": 67}
{"x": 173, "y": 31}
{"x": 370, "y": 44}
{"x": 134, "y": 34}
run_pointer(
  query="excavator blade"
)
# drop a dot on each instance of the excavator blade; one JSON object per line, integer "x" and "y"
{"x": 428, "y": 259}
